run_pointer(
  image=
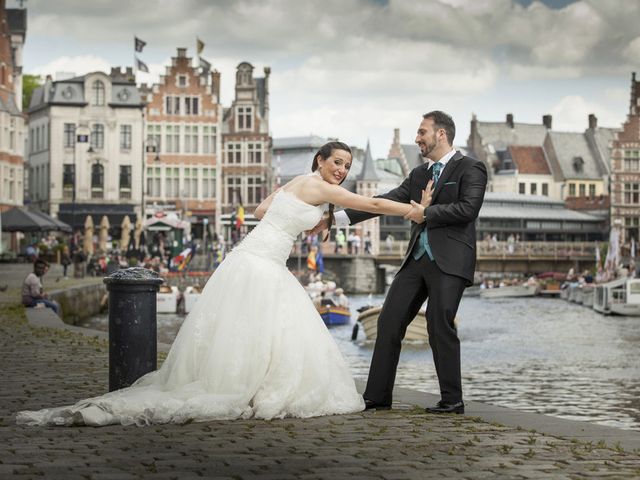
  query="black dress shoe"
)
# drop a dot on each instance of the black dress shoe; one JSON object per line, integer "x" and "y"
{"x": 371, "y": 405}
{"x": 444, "y": 407}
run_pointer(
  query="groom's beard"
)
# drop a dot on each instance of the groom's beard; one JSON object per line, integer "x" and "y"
{"x": 429, "y": 147}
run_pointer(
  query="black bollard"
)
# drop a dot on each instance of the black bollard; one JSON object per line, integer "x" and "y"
{"x": 133, "y": 329}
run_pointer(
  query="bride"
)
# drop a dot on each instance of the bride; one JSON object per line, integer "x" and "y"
{"x": 254, "y": 345}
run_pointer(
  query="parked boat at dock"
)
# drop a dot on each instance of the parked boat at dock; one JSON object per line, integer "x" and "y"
{"x": 334, "y": 315}
{"x": 190, "y": 297}
{"x": 510, "y": 291}
{"x": 416, "y": 331}
{"x": 619, "y": 297}
{"x": 167, "y": 299}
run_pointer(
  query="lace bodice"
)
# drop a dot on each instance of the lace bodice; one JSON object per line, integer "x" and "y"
{"x": 286, "y": 218}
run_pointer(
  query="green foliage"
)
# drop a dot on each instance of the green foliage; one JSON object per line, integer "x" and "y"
{"x": 29, "y": 84}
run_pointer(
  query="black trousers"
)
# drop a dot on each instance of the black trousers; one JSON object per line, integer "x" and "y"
{"x": 417, "y": 281}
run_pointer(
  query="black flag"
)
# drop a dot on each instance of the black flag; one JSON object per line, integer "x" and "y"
{"x": 140, "y": 65}
{"x": 139, "y": 44}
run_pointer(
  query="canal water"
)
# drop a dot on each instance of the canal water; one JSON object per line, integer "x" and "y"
{"x": 532, "y": 354}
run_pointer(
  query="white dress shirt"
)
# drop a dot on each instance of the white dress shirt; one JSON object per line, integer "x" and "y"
{"x": 342, "y": 219}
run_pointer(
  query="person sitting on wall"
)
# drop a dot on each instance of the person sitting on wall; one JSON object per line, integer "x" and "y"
{"x": 32, "y": 292}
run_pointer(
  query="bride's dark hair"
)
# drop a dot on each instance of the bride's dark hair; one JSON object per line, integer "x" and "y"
{"x": 325, "y": 152}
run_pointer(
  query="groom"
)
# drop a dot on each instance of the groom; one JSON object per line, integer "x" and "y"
{"x": 438, "y": 265}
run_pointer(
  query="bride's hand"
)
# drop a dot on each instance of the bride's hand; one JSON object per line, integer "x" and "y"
{"x": 323, "y": 224}
{"x": 427, "y": 193}
{"x": 415, "y": 213}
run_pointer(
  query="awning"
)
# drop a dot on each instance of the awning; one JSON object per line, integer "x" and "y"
{"x": 78, "y": 214}
{"x": 20, "y": 219}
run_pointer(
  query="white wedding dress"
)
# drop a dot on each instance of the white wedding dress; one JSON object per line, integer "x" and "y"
{"x": 253, "y": 346}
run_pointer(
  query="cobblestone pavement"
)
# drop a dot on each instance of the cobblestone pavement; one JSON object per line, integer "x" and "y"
{"x": 44, "y": 367}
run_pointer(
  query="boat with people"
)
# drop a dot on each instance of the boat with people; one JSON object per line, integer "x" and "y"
{"x": 618, "y": 297}
{"x": 334, "y": 314}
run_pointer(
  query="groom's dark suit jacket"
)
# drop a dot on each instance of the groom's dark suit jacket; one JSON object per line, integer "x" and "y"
{"x": 450, "y": 219}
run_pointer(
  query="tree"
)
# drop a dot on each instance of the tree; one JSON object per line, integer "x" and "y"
{"x": 29, "y": 84}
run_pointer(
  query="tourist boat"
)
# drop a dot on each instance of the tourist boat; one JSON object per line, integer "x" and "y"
{"x": 167, "y": 299}
{"x": 619, "y": 297}
{"x": 334, "y": 315}
{"x": 190, "y": 297}
{"x": 368, "y": 319}
{"x": 588, "y": 295}
{"x": 510, "y": 291}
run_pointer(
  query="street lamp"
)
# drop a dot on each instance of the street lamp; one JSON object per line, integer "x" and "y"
{"x": 82, "y": 136}
{"x": 150, "y": 146}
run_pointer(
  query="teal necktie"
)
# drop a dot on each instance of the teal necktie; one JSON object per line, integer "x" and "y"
{"x": 422, "y": 245}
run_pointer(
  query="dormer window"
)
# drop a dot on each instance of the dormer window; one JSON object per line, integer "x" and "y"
{"x": 578, "y": 164}
{"x": 97, "y": 93}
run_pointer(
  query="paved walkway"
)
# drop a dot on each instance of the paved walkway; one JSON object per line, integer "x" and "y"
{"x": 47, "y": 366}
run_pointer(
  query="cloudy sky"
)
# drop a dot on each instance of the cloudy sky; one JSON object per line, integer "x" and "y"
{"x": 357, "y": 69}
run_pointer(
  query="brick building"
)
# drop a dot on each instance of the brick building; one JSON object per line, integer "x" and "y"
{"x": 625, "y": 170}
{"x": 12, "y": 34}
{"x": 183, "y": 124}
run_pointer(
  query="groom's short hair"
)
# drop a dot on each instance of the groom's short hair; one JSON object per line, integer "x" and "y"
{"x": 444, "y": 121}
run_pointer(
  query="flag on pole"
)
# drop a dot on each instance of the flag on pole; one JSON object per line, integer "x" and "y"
{"x": 204, "y": 64}
{"x": 633, "y": 247}
{"x": 311, "y": 260}
{"x": 139, "y": 44}
{"x": 239, "y": 217}
{"x": 597, "y": 256}
{"x": 200, "y": 45}
{"x": 140, "y": 65}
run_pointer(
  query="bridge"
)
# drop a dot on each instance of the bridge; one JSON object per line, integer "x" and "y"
{"x": 364, "y": 273}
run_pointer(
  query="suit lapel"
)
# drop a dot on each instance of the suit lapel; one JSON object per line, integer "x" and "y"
{"x": 449, "y": 168}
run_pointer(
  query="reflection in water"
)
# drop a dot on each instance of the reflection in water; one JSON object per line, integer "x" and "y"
{"x": 536, "y": 354}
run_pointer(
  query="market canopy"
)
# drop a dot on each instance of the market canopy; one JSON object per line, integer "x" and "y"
{"x": 165, "y": 222}
{"x": 20, "y": 219}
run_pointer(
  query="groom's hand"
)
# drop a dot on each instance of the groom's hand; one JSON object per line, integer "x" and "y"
{"x": 323, "y": 224}
{"x": 427, "y": 193}
{"x": 416, "y": 213}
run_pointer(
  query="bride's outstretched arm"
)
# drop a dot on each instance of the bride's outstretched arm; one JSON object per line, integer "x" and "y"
{"x": 341, "y": 196}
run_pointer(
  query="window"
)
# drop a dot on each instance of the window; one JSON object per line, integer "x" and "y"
{"x": 234, "y": 153}
{"x": 592, "y": 190}
{"x": 97, "y": 136}
{"x": 191, "y": 139}
{"x": 533, "y": 188}
{"x": 631, "y": 193}
{"x": 172, "y": 139}
{"x": 208, "y": 139}
{"x": 631, "y": 160}
{"x": 172, "y": 182}
{"x": 182, "y": 80}
{"x": 153, "y": 181}
{"x": 191, "y": 182}
{"x": 97, "y": 181}
{"x": 545, "y": 189}
{"x": 208, "y": 183}
{"x": 522, "y": 188}
{"x": 572, "y": 189}
{"x": 255, "y": 152}
{"x": 172, "y": 105}
{"x": 125, "y": 137}
{"x": 191, "y": 105}
{"x": 97, "y": 93}
{"x": 125, "y": 181}
{"x": 254, "y": 190}
{"x": 582, "y": 188}
{"x": 234, "y": 193}
{"x": 154, "y": 137}
{"x": 69, "y": 135}
{"x": 578, "y": 164}
{"x": 68, "y": 176}
{"x": 245, "y": 118}
{"x": 631, "y": 225}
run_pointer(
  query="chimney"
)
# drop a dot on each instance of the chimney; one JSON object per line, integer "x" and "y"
{"x": 396, "y": 136}
{"x": 182, "y": 52}
{"x": 215, "y": 84}
{"x": 593, "y": 121}
{"x": 510, "y": 120}
{"x": 546, "y": 121}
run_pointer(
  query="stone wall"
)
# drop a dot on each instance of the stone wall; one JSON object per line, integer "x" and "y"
{"x": 78, "y": 303}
